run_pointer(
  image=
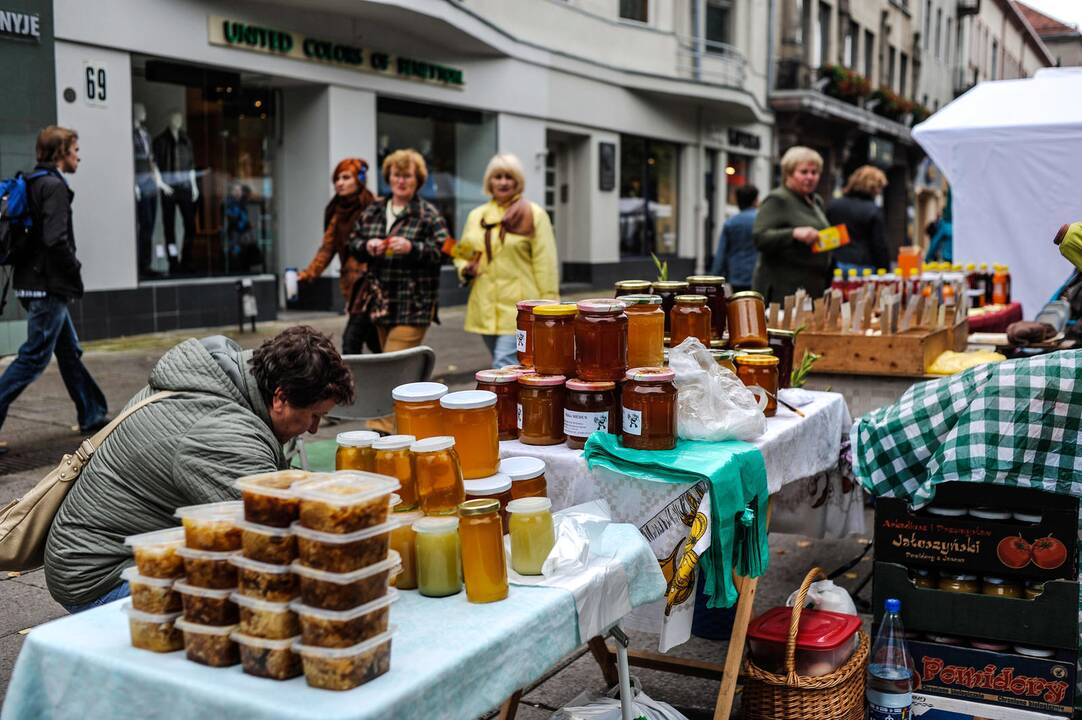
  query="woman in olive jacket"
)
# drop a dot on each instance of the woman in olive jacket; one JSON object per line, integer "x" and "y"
{"x": 787, "y": 226}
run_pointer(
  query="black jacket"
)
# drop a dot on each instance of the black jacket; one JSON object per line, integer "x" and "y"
{"x": 867, "y": 231}
{"x": 48, "y": 262}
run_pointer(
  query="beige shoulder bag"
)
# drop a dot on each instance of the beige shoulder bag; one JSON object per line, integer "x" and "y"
{"x": 25, "y": 521}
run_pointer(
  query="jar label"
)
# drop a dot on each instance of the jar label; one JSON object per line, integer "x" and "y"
{"x": 632, "y": 421}
{"x": 520, "y": 340}
{"x": 519, "y": 408}
{"x": 581, "y": 424}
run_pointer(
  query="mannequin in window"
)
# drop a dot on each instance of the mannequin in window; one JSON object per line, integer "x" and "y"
{"x": 176, "y": 163}
{"x": 148, "y": 183}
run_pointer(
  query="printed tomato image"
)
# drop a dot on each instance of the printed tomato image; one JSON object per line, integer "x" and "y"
{"x": 1015, "y": 552}
{"x": 1049, "y": 553}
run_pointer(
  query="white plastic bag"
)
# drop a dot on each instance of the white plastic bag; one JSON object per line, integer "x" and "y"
{"x": 713, "y": 404}
{"x": 825, "y": 595}
{"x": 597, "y": 706}
{"x": 576, "y": 529}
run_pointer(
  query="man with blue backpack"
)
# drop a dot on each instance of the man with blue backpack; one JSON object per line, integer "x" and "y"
{"x": 37, "y": 236}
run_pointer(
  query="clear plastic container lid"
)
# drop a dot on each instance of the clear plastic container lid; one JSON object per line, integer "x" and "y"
{"x": 650, "y": 374}
{"x": 394, "y": 442}
{"x": 342, "y": 615}
{"x": 264, "y": 529}
{"x": 436, "y": 525}
{"x": 276, "y": 484}
{"x": 131, "y": 574}
{"x": 529, "y": 505}
{"x": 408, "y": 517}
{"x": 542, "y": 380}
{"x": 344, "y": 538}
{"x": 468, "y": 400}
{"x": 433, "y": 444}
{"x": 199, "y": 629}
{"x": 346, "y": 652}
{"x": 819, "y": 629}
{"x": 522, "y": 468}
{"x": 156, "y": 618}
{"x": 356, "y": 438}
{"x": 419, "y": 392}
{"x": 186, "y": 589}
{"x": 491, "y": 485}
{"x": 392, "y": 563}
{"x": 256, "y": 566}
{"x": 229, "y": 511}
{"x": 497, "y": 376}
{"x": 253, "y": 603}
{"x": 250, "y": 641}
{"x": 193, "y": 554}
{"x": 346, "y": 488}
{"x": 173, "y": 536}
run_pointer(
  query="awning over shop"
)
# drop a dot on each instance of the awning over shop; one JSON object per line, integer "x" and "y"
{"x": 1012, "y": 151}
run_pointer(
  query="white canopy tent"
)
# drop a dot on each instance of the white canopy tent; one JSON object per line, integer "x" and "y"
{"x": 1012, "y": 152}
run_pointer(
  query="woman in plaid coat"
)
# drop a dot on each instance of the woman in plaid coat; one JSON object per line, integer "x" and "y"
{"x": 401, "y": 239}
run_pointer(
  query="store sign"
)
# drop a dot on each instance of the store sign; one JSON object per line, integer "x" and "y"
{"x": 22, "y": 25}
{"x": 741, "y": 139}
{"x": 245, "y": 36}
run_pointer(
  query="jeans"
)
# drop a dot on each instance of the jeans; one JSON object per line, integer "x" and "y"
{"x": 503, "y": 348}
{"x": 120, "y": 591}
{"x": 49, "y": 330}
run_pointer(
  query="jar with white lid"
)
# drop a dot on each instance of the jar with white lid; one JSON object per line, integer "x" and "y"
{"x": 470, "y": 416}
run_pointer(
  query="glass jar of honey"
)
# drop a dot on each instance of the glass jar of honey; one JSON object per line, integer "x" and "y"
{"x": 1001, "y": 587}
{"x": 783, "y": 343}
{"x": 761, "y": 371}
{"x": 959, "y": 583}
{"x": 589, "y": 407}
{"x": 649, "y": 409}
{"x": 725, "y": 358}
{"x": 554, "y": 339}
{"x": 747, "y": 320}
{"x": 355, "y": 450}
{"x": 524, "y": 329}
{"x": 484, "y": 565}
{"x": 393, "y": 459}
{"x": 1033, "y": 589}
{"x": 924, "y": 579}
{"x": 527, "y": 476}
{"x": 632, "y": 287}
{"x": 541, "y": 409}
{"x": 417, "y": 409}
{"x": 690, "y": 317}
{"x": 439, "y": 565}
{"x": 470, "y": 416}
{"x": 532, "y": 534}
{"x": 713, "y": 287}
{"x": 667, "y": 290}
{"x": 438, "y": 475}
{"x": 494, "y": 487}
{"x": 645, "y": 330}
{"x": 601, "y": 339}
{"x": 404, "y": 542}
{"x": 504, "y": 384}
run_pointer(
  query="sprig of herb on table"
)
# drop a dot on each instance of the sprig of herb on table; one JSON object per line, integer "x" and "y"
{"x": 800, "y": 373}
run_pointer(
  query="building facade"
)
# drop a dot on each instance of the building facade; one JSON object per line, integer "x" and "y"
{"x": 1063, "y": 40}
{"x": 209, "y": 131}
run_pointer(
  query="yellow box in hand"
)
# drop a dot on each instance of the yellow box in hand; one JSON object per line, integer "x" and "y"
{"x": 831, "y": 238}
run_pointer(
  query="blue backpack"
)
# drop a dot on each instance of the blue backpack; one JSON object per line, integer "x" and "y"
{"x": 15, "y": 216}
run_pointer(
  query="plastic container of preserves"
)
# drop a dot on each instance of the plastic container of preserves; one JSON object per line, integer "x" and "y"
{"x": 824, "y": 640}
{"x": 541, "y": 409}
{"x": 601, "y": 339}
{"x": 349, "y": 667}
{"x": 153, "y": 631}
{"x": 343, "y": 591}
{"x": 150, "y": 594}
{"x": 417, "y": 409}
{"x": 484, "y": 563}
{"x": 527, "y": 476}
{"x": 209, "y": 569}
{"x": 156, "y": 552}
{"x": 649, "y": 409}
{"x": 212, "y": 526}
{"x": 266, "y": 658}
{"x": 343, "y": 628}
{"x": 209, "y": 644}
{"x": 470, "y": 417}
{"x": 404, "y": 542}
{"x": 504, "y": 384}
{"x": 439, "y": 475}
{"x": 554, "y": 339}
{"x": 589, "y": 407}
{"x": 344, "y": 552}
{"x": 532, "y": 534}
{"x": 347, "y": 502}
{"x": 439, "y": 565}
{"x": 206, "y": 606}
{"x": 269, "y": 498}
{"x": 355, "y": 450}
{"x": 259, "y": 618}
{"x": 273, "y": 545}
{"x": 274, "y": 583}
{"x": 524, "y": 329}
{"x": 690, "y": 317}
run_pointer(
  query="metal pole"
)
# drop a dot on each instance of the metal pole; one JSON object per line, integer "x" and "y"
{"x": 622, "y": 641}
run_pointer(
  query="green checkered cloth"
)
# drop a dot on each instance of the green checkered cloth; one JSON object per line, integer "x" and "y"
{"x": 1016, "y": 423}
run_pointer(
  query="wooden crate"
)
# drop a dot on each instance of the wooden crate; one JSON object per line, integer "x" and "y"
{"x": 905, "y": 354}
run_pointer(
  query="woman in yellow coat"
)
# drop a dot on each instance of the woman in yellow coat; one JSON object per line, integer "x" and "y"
{"x": 508, "y": 251}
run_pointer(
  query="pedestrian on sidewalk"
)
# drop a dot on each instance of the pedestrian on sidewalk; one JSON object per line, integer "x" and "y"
{"x": 513, "y": 253}
{"x": 863, "y": 218}
{"x": 46, "y": 278}
{"x": 340, "y": 216}
{"x": 233, "y": 411}
{"x": 736, "y": 254}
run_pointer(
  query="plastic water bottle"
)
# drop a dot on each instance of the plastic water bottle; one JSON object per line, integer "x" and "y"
{"x": 889, "y": 687}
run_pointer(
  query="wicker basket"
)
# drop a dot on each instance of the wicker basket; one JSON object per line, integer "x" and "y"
{"x": 837, "y": 696}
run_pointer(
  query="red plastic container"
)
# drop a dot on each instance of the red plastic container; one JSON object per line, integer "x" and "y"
{"x": 824, "y": 640}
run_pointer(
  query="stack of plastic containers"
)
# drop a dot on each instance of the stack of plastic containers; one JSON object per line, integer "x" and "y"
{"x": 344, "y": 568}
{"x": 155, "y": 605}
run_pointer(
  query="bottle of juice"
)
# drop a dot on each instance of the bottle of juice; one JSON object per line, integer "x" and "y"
{"x": 975, "y": 285}
{"x": 987, "y": 276}
{"x": 838, "y": 283}
{"x": 889, "y": 681}
{"x": 999, "y": 285}
{"x": 1007, "y": 273}
{"x": 851, "y": 282}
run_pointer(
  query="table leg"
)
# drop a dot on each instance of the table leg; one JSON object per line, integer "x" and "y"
{"x": 626, "y": 696}
{"x": 604, "y": 660}
{"x": 509, "y": 709}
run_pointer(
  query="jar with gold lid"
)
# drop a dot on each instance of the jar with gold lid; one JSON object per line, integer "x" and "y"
{"x": 484, "y": 563}
{"x": 690, "y": 317}
{"x": 760, "y": 370}
{"x": 632, "y": 287}
{"x": 783, "y": 343}
{"x": 713, "y": 287}
{"x": 747, "y": 320}
{"x": 725, "y": 358}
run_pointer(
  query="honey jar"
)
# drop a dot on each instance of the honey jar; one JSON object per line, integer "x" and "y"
{"x": 417, "y": 409}
{"x": 783, "y": 343}
{"x": 495, "y": 487}
{"x": 393, "y": 458}
{"x": 438, "y": 475}
{"x": 632, "y": 287}
{"x": 470, "y": 416}
{"x": 1001, "y": 587}
{"x": 667, "y": 290}
{"x": 713, "y": 288}
{"x": 524, "y": 329}
{"x": 404, "y": 542}
{"x": 504, "y": 384}
{"x": 761, "y": 371}
{"x": 439, "y": 567}
{"x": 532, "y": 534}
{"x": 690, "y": 317}
{"x": 747, "y": 320}
{"x": 725, "y": 358}
{"x": 924, "y": 579}
{"x": 589, "y": 407}
{"x": 959, "y": 583}
{"x": 649, "y": 409}
{"x": 541, "y": 409}
{"x": 355, "y": 450}
{"x": 645, "y": 330}
{"x": 601, "y": 339}
{"x": 527, "y": 476}
{"x": 484, "y": 564}
{"x": 554, "y": 339}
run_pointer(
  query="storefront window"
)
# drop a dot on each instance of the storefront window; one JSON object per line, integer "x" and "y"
{"x": 736, "y": 176}
{"x": 203, "y": 180}
{"x": 456, "y": 145}
{"x": 648, "y": 196}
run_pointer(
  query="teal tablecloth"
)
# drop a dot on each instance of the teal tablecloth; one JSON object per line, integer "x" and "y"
{"x": 449, "y": 659}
